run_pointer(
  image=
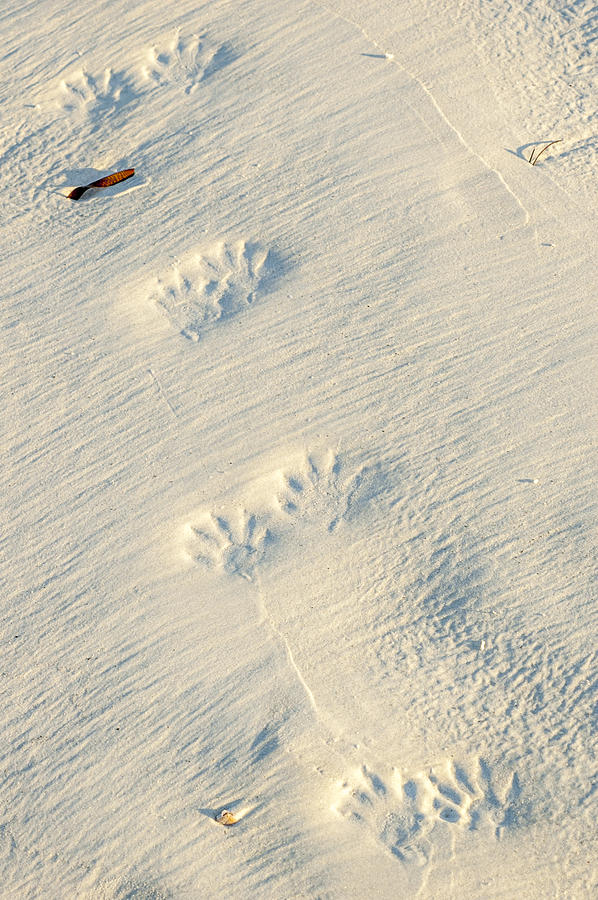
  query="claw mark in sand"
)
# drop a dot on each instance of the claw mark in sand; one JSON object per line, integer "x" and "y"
{"x": 211, "y": 285}
{"x": 85, "y": 97}
{"x": 187, "y": 61}
{"x": 233, "y": 545}
{"x": 407, "y": 813}
{"x": 235, "y": 541}
{"x": 310, "y": 489}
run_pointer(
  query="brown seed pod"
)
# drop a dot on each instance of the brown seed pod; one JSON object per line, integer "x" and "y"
{"x": 107, "y": 181}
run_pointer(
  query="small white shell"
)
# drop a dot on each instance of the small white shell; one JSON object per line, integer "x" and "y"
{"x": 225, "y": 817}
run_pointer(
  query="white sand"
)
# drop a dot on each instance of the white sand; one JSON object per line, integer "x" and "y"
{"x": 299, "y": 432}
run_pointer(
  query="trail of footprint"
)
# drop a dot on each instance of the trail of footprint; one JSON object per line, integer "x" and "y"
{"x": 186, "y": 62}
{"x": 235, "y": 541}
{"x": 309, "y": 493}
{"x": 414, "y": 816}
{"x": 212, "y": 284}
{"x": 86, "y": 101}
{"x": 407, "y": 814}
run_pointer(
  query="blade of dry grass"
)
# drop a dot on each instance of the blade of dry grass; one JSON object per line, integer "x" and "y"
{"x": 534, "y": 159}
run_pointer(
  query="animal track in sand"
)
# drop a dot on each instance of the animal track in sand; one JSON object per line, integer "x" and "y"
{"x": 235, "y": 542}
{"x": 211, "y": 285}
{"x": 310, "y": 488}
{"x": 84, "y": 96}
{"x": 408, "y": 814}
{"x": 92, "y": 106}
{"x": 233, "y": 545}
{"x": 186, "y": 62}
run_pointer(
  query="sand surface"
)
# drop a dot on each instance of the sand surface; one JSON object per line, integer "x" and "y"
{"x": 299, "y": 433}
